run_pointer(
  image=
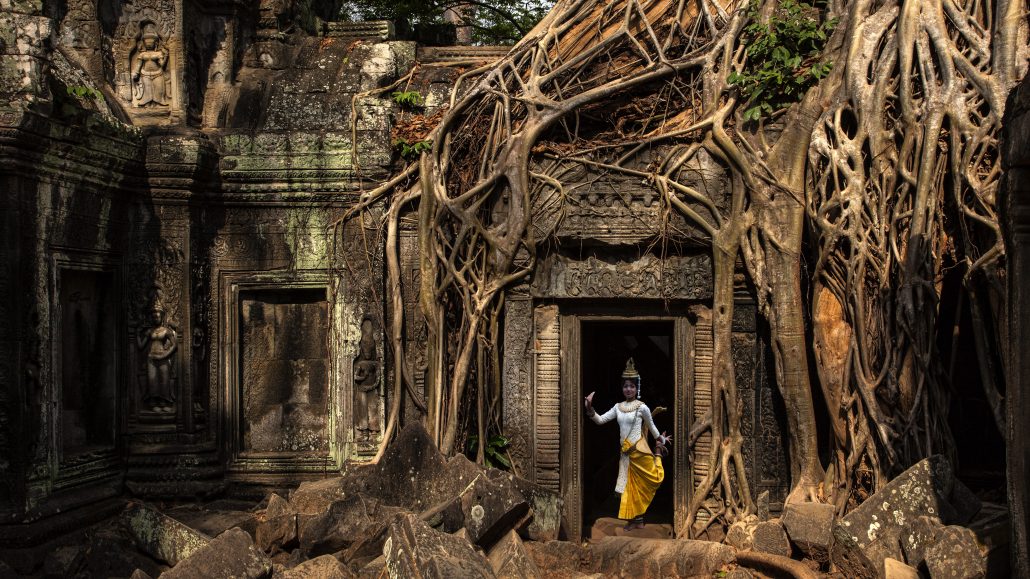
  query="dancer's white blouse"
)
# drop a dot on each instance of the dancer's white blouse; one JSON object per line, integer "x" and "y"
{"x": 630, "y": 424}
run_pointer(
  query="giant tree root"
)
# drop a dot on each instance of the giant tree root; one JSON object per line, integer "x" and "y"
{"x": 775, "y": 564}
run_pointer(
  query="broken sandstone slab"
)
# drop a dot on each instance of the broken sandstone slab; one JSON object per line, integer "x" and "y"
{"x": 278, "y": 529}
{"x": 345, "y": 522}
{"x": 231, "y": 554}
{"x": 810, "y": 527}
{"x": 414, "y": 549}
{"x": 161, "y": 536}
{"x": 450, "y": 494}
{"x": 884, "y": 522}
{"x": 509, "y": 559}
{"x": 324, "y": 567}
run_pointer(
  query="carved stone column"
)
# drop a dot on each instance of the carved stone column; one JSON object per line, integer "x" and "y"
{"x": 172, "y": 450}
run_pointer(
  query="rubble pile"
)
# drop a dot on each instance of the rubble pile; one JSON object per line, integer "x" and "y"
{"x": 418, "y": 513}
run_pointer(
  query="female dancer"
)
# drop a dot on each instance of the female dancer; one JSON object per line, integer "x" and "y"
{"x": 640, "y": 470}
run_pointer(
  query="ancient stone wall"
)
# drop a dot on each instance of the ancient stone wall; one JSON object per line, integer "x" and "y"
{"x": 181, "y": 311}
{"x": 182, "y": 314}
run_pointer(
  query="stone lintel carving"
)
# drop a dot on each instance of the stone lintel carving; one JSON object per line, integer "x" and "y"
{"x": 675, "y": 277}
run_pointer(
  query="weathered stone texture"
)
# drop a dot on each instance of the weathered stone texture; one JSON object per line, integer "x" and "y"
{"x": 161, "y": 536}
{"x": 810, "y": 527}
{"x": 231, "y": 554}
{"x": 414, "y": 549}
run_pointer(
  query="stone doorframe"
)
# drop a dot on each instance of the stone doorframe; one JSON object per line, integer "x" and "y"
{"x": 571, "y": 395}
{"x": 107, "y": 462}
{"x": 252, "y": 464}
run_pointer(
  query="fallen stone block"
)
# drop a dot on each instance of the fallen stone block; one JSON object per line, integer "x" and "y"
{"x": 342, "y": 524}
{"x": 654, "y": 558}
{"x": 560, "y": 559}
{"x": 414, "y": 549}
{"x": 894, "y": 569}
{"x": 762, "y": 505}
{"x": 64, "y": 561}
{"x": 611, "y": 527}
{"x": 849, "y": 558}
{"x": 314, "y": 497}
{"x": 955, "y": 555}
{"x": 160, "y": 536}
{"x": 374, "y": 568}
{"x": 277, "y": 533}
{"x": 917, "y": 537}
{"x": 876, "y": 526}
{"x": 545, "y": 505}
{"x": 770, "y": 537}
{"x": 509, "y": 560}
{"x": 489, "y": 509}
{"x": 737, "y": 536}
{"x": 323, "y": 567}
{"x": 278, "y": 506}
{"x": 231, "y": 554}
{"x": 111, "y": 552}
{"x": 810, "y": 527}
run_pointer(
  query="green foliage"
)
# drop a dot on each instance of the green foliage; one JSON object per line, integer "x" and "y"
{"x": 782, "y": 55}
{"x": 491, "y": 21}
{"x": 83, "y": 92}
{"x": 407, "y": 98}
{"x": 410, "y": 150}
{"x": 494, "y": 451}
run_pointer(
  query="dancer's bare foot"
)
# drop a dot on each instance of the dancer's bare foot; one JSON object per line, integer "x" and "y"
{"x": 634, "y": 524}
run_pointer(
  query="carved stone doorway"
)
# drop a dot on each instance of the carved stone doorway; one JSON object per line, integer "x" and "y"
{"x": 595, "y": 344}
{"x": 605, "y": 347}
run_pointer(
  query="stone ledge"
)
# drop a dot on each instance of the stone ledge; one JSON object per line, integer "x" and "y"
{"x": 367, "y": 30}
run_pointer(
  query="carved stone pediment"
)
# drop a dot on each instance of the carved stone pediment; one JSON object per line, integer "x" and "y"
{"x": 674, "y": 277}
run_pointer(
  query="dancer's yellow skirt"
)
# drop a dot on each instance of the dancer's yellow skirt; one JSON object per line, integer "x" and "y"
{"x": 642, "y": 480}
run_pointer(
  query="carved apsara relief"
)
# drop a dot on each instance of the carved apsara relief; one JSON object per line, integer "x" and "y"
{"x": 145, "y": 56}
{"x": 155, "y": 294}
{"x": 149, "y": 66}
{"x": 367, "y": 380}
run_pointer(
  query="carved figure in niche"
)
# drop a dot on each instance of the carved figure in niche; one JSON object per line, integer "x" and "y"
{"x": 160, "y": 341}
{"x": 640, "y": 470}
{"x": 366, "y": 382}
{"x": 149, "y": 69}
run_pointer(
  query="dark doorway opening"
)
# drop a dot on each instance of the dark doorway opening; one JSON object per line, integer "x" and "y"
{"x": 605, "y": 346}
{"x": 88, "y": 363}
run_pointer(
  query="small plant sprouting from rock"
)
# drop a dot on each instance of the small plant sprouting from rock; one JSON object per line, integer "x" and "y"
{"x": 493, "y": 453}
{"x": 783, "y": 52}
{"x": 410, "y": 150}
{"x": 83, "y": 92}
{"x": 408, "y": 98}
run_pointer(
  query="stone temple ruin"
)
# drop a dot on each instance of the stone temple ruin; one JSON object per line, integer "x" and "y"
{"x": 184, "y": 320}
